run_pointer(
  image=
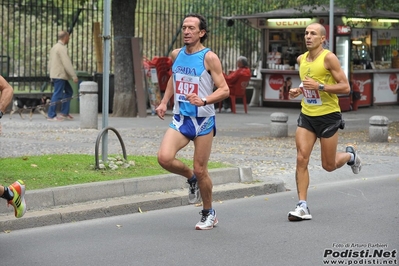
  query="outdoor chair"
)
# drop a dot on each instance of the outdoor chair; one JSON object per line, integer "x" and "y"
{"x": 238, "y": 91}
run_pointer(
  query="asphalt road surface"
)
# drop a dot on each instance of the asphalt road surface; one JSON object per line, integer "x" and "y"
{"x": 355, "y": 222}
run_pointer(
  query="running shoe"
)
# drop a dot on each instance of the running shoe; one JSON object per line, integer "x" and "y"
{"x": 194, "y": 195}
{"x": 299, "y": 214}
{"x": 18, "y": 201}
{"x": 356, "y": 165}
{"x": 208, "y": 221}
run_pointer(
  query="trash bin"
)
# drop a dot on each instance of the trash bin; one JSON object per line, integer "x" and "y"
{"x": 98, "y": 77}
{"x": 4, "y": 65}
{"x": 82, "y": 76}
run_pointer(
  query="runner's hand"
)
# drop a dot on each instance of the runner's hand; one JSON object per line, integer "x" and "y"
{"x": 295, "y": 92}
{"x": 161, "y": 110}
{"x": 310, "y": 84}
{"x": 194, "y": 99}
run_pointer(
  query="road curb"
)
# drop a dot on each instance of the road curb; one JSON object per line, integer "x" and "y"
{"x": 172, "y": 192}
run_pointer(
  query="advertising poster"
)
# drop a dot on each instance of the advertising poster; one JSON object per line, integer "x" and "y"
{"x": 386, "y": 88}
{"x": 277, "y": 87}
{"x": 362, "y": 84}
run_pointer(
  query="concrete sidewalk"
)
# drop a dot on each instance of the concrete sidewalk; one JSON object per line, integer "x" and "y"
{"x": 262, "y": 164}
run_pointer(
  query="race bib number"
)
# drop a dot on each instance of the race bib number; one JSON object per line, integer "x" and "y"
{"x": 311, "y": 97}
{"x": 185, "y": 85}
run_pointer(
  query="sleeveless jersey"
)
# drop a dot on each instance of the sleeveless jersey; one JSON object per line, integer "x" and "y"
{"x": 190, "y": 76}
{"x": 315, "y": 102}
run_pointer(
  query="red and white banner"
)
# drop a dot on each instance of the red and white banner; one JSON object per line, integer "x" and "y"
{"x": 386, "y": 88}
{"x": 278, "y": 85}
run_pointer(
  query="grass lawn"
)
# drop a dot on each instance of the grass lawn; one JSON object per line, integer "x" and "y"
{"x": 61, "y": 170}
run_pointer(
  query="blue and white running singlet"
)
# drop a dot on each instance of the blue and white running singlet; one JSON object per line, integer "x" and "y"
{"x": 191, "y": 76}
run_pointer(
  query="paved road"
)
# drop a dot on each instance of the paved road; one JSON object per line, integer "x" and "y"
{"x": 361, "y": 213}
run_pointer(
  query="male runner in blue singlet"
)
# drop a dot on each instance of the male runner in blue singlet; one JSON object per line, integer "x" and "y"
{"x": 196, "y": 71}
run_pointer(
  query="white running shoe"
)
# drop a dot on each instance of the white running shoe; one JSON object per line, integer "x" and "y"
{"x": 356, "y": 165}
{"x": 208, "y": 221}
{"x": 194, "y": 195}
{"x": 299, "y": 214}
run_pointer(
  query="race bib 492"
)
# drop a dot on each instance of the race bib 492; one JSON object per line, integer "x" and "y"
{"x": 185, "y": 85}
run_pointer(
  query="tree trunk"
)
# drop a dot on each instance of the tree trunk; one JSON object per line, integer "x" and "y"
{"x": 123, "y": 14}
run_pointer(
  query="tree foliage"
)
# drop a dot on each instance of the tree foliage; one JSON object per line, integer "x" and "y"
{"x": 357, "y": 7}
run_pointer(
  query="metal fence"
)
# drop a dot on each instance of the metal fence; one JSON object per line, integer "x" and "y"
{"x": 29, "y": 30}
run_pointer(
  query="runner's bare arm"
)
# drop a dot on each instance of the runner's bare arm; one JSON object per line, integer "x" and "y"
{"x": 169, "y": 87}
{"x": 212, "y": 64}
{"x": 6, "y": 93}
{"x": 162, "y": 107}
{"x": 331, "y": 63}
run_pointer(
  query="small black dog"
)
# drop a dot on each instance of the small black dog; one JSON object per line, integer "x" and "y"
{"x": 22, "y": 103}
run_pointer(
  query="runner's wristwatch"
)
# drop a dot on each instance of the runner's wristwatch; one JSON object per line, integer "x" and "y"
{"x": 321, "y": 87}
{"x": 1, "y": 114}
{"x": 204, "y": 100}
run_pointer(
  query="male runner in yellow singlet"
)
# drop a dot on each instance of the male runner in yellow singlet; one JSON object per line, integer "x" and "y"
{"x": 320, "y": 117}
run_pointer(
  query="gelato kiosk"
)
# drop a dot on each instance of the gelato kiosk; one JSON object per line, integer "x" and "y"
{"x": 367, "y": 49}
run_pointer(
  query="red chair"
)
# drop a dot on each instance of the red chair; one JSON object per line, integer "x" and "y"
{"x": 163, "y": 66}
{"x": 238, "y": 91}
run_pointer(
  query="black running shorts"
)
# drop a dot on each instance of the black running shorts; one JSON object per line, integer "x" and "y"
{"x": 324, "y": 126}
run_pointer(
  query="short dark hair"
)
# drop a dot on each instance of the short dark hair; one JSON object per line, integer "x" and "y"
{"x": 202, "y": 26}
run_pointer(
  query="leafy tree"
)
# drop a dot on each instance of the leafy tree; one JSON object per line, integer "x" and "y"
{"x": 357, "y": 7}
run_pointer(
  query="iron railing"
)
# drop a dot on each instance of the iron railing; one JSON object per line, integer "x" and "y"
{"x": 29, "y": 30}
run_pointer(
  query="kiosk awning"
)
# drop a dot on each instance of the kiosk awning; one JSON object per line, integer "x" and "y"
{"x": 306, "y": 11}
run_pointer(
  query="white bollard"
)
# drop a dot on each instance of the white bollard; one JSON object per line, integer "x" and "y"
{"x": 378, "y": 130}
{"x": 88, "y": 105}
{"x": 279, "y": 126}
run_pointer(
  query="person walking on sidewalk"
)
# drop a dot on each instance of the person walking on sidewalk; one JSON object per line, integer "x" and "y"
{"x": 320, "y": 117}
{"x": 61, "y": 70}
{"x": 196, "y": 70}
{"x": 15, "y": 193}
